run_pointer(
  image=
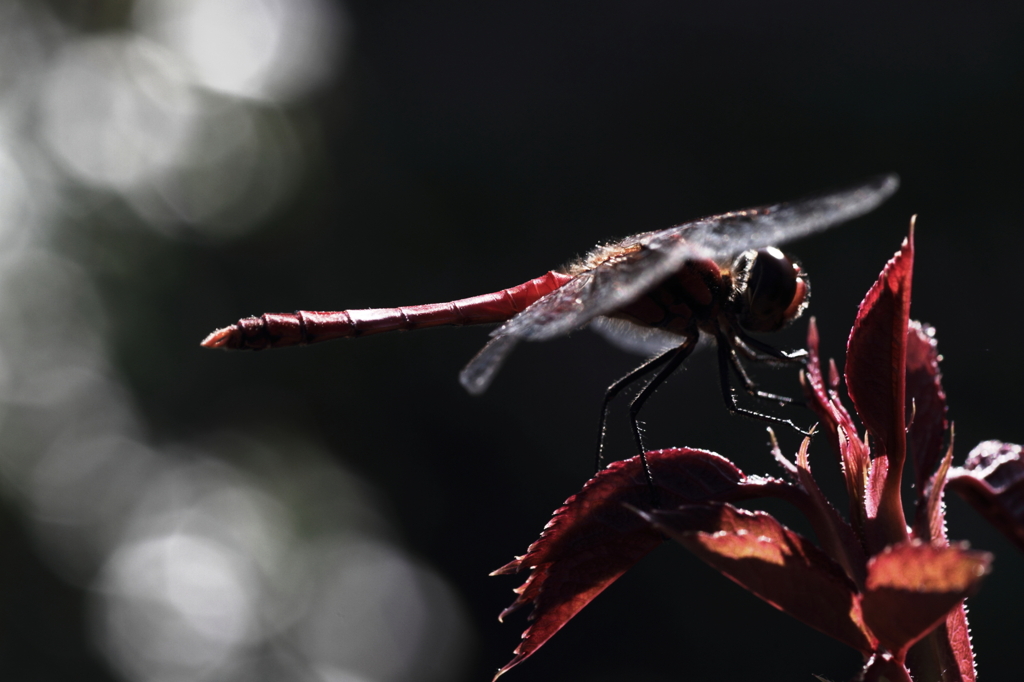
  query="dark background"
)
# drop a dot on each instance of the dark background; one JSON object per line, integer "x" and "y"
{"x": 471, "y": 146}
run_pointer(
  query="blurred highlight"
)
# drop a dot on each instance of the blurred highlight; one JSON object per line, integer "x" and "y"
{"x": 275, "y": 50}
{"x": 180, "y": 116}
{"x": 199, "y": 569}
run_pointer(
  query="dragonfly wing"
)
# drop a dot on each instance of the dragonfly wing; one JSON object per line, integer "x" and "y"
{"x": 598, "y": 291}
{"x": 727, "y": 234}
{"x": 632, "y": 338}
{"x": 478, "y": 374}
{"x": 639, "y": 263}
{"x": 559, "y": 312}
{"x": 646, "y": 259}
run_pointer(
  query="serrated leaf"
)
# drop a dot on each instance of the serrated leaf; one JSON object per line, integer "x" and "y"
{"x": 926, "y": 403}
{"x": 876, "y": 353}
{"x": 945, "y": 654}
{"x": 992, "y": 481}
{"x": 594, "y": 537}
{"x": 778, "y": 565}
{"x": 839, "y": 427}
{"x": 876, "y": 379}
{"x": 913, "y": 586}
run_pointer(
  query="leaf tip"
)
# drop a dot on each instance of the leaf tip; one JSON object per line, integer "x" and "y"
{"x": 511, "y": 568}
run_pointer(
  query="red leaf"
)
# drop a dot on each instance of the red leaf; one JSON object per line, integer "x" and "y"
{"x": 926, "y": 401}
{"x": 926, "y": 412}
{"x": 927, "y": 426}
{"x": 835, "y": 535}
{"x": 913, "y": 586}
{"x": 779, "y": 566}
{"x": 957, "y": 635}
{"x": 594, "y": 538}
{"x": 876, "y": 352}
{"x": 992, "y": 481}
{"x": 945, "y": 653}
{"x": 876, "y": 378}
{"x": 882, "y": 668}
{"x": 878, "y": 473}
{"x": 822, "y": 398}
{"x": 840, "y": 429}
{"x": 930, "y": 519}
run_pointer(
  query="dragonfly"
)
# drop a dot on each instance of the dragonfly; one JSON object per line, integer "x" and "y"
{"x": 659, "y": 293}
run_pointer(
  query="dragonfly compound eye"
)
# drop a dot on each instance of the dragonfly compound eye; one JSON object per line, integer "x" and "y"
{"x": 776, "y": 291}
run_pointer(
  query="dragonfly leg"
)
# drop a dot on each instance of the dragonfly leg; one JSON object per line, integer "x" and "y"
{"x": 616, "y": 388}
{"x": 727, "y": 360}
{"x": 676, "y": 358}
{"x": 759, "y": 351}
{"x": 750, "y": 387}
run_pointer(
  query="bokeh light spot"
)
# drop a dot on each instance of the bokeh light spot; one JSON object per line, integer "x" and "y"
{"x": 265, "y": 49}
{"x": 117, "y": 110}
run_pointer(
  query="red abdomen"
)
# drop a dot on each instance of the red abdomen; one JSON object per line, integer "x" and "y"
{"x": 274, "y": 330}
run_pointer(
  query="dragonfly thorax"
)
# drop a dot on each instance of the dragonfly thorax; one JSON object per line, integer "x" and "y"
{"x": 685, "y": 303}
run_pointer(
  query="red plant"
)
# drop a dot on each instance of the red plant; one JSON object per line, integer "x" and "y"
{"x": 892, "y": 591}
{"x": 992, "y": 481}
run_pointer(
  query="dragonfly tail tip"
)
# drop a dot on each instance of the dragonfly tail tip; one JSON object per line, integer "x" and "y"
{"x": 222, "y": 338}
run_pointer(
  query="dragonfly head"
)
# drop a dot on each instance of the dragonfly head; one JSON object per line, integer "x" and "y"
{"x": 771, "y": 289}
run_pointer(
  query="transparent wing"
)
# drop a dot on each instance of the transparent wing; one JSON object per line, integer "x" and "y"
{"x": 620, "y": 280}
{"x": 728, "y": 234}
{"x": 478, "y": 374}
{"x": 597, "y": 291}
{"x": 646, "y": 259}
{"x": 633, "y": 338}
